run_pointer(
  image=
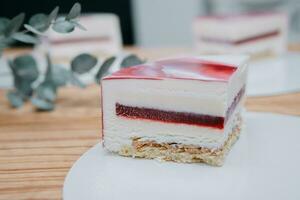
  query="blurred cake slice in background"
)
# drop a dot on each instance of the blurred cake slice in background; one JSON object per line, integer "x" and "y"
{"x": 183, "y": 109}
{"x": 258, "y": 34}
{"x": 101, "y": 38}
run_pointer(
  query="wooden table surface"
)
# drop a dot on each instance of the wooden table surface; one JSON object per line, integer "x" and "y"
{"x": 37, "y": 149}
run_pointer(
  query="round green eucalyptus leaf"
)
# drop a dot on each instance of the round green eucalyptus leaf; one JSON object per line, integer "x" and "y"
{"x": 104, "y": 68}
{"x": 42, "y": 104}
{"x": 14, "y": 24}
{"x": 131, "y": 60}
{"x": 23, "y": 86}
{"x": 75, "y": 80}
{"x": 56, "y": 74}
{"x": 74, "y": 12}
{"x": 7, "y": 41}
{"x": 26, "y": 38}
{"x": 3, "y": 24}
{"x": 25, "y": 67}
{"x": 32, "y": 29}
{"x": 78, "y": 25}
{"x": 60, "y": 75}
{"x": 47, "y": 91}
{"x": 15, "y": 99}
{"x": 63, "y": 26}
{"x": 52, "y": 16}
{"x": 40, "y": 22}
{"x": 83, "y": 63}
{"x": 23, "y": 76}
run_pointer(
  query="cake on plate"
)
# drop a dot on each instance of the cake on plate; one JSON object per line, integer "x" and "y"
{"x": 262, "y": 33}
{"x": 185, "y": 109}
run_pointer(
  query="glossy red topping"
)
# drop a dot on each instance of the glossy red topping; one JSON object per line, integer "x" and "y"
{"x": 180, "y": 68}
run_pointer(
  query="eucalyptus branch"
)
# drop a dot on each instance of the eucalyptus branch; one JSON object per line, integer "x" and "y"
{"x": 25, "y": 70}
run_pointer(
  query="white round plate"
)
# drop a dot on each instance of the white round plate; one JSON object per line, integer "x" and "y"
{"x": 274, "y": 75}
{"x": 263, "y": 164}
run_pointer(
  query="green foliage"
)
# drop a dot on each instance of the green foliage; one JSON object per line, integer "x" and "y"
{"x": 42, "y": 104}
{"x": 131, "y": 60}
{"x": 3, "y": 24}
{"x": 67, "y": 24}
{"x": 47, "y": 91}
{"x": 74, "y": 80}
{"x": 76, "y": 24}
{"x": 24, "y": 68}
{"x": 43, "y": 96}
{"x": 26, "y": 38}
{"x": 52, "y": 16}
{"x": 25, "y": 72}
{"x": 39, "y": 22}
{"x": 74, "y": 12}
{"x": 32, "y": 29}
{"x": 83, "y": 63}
{"x": 104, "y": 69}
{"x": 14, "y": 24}
{"x": 61, "y": 25}
{"x": 56, "y": 75}
{"x": 15, "y": 99}
{"x": 59, "y": 75}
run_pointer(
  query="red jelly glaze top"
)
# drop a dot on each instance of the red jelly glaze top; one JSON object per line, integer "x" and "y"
{"x": 180, "y": 68}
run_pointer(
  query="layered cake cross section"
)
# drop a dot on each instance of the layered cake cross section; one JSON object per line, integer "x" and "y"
{"x": 184, "y": 109}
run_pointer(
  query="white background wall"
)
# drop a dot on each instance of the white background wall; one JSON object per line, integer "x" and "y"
{"x": 164, "y": 22}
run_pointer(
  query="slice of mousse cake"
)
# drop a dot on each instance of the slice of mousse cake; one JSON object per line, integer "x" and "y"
{"x": 185, "y": 109}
